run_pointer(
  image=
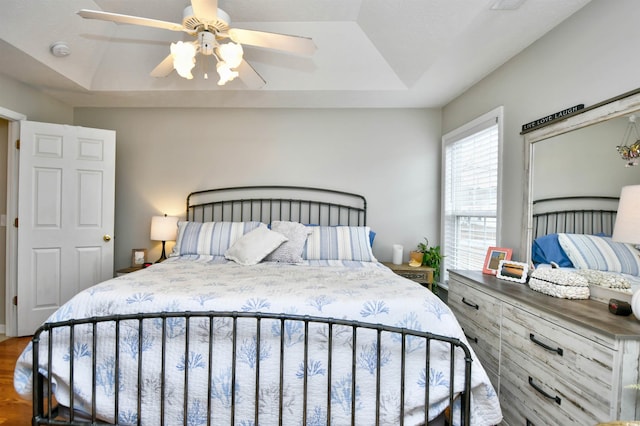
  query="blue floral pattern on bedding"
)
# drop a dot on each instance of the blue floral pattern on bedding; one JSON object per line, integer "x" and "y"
{"x": 364, "y": 291}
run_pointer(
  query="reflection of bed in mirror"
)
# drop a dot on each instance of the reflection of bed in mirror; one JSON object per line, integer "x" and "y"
{"x": 574, "y": 233}
{"x": 575, "y": 172}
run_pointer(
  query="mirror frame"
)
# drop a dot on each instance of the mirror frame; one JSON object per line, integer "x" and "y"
{"x": 624, "y": 104}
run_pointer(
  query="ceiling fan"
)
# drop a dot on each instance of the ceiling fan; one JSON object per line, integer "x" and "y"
{"x": 214, "y": 37}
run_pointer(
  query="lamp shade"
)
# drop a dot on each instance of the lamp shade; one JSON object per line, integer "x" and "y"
{"x": 164, "y": 228}
{"x": 627, "y": 227}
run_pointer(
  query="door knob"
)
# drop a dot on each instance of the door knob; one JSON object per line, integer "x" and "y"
{"x": 106, "y": 237}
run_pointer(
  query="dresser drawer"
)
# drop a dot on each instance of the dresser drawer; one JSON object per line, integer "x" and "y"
{"x": 536, "y": 393}
{"x": 540, "y": 357}
{"x": 479, "y": 316}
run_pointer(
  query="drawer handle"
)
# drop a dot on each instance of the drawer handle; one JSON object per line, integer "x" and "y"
{"x": 473, "y": 339}
{"x": 473, "y": 305}
{"x": 543, "y": 393}
{"x": 547, "y": 347}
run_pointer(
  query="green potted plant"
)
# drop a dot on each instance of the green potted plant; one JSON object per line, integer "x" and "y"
{"x": 431, "y": 257}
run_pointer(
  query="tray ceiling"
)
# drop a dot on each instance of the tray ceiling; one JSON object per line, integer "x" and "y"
{"x": 371, "y": 53}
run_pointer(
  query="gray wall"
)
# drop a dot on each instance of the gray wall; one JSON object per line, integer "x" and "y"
{"x": 587, "y": 59}
{"x": 36, "y": 105}
{"x": 391, "y": 156}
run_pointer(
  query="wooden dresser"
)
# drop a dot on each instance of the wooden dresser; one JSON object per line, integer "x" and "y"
{"x": 552, "y": 361}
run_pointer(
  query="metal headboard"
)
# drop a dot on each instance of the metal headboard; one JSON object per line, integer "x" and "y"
{"x": 578, "y": 215}
{"x": 268, "y": 203}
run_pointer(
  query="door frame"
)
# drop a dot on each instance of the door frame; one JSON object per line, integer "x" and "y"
{"x": 11, "y": 291}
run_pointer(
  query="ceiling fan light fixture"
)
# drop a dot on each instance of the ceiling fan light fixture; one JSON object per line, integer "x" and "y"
{"x": 231, "y": 53}
{"x": 184, "y": 58}
{"x": 203, "y": 20}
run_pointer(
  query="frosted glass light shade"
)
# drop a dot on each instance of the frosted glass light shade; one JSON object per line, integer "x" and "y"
{"x": 184, "y": 58}
{"x": 226, "y": 74}
{"x": 164, "y": 228}
{"x": 231, "y": 53}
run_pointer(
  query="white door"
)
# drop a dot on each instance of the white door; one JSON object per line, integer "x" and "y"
{"x": 65, "y": 216}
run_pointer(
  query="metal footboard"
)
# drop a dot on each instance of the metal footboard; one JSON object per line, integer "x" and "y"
{"x": 89, "y": 334}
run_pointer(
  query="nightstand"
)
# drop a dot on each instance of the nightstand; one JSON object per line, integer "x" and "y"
{"x": 124, "y": 271}
{"x": 420, "y": 274}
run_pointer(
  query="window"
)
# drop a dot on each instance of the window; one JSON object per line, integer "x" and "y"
{"x": 471, "y": 192}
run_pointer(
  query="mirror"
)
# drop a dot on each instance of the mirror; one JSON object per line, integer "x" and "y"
{"x": 577, "y": 156}
{"x": 574, "y": 163}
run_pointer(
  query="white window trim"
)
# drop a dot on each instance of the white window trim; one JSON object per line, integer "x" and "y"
{"x": 459, "y": 133}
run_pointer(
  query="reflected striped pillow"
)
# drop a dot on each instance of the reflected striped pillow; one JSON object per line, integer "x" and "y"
{"x": 209, "y": 238}
{"x": 600, "y": 253}
{"x": 339, "y": 243}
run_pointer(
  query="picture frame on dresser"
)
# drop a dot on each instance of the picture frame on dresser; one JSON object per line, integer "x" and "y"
{"x": 513, "y": 271}
{"x": 493, "y": 258}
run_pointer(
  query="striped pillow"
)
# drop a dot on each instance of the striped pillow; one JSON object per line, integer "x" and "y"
{"x": 600, "y": 253}
{"x": 209, "y": 238}
{"x": 339, "y": 243}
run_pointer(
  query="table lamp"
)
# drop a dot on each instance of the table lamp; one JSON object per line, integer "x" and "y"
{"x": 627, "y": 228}
{"x": 164, "y": 228}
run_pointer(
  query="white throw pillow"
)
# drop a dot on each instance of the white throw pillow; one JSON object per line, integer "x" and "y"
{"x": 291, "y": 250}
{"x": 254, "y": 246}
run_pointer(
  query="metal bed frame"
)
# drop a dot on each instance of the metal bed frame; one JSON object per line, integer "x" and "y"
{"x": 46, "y": 411}
{"x": 574, "y": 215}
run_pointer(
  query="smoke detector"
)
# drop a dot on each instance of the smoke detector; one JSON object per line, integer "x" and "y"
{"x": 60, "y": 49}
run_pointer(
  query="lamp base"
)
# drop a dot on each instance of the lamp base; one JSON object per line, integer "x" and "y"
{"x": 163, "y": 256}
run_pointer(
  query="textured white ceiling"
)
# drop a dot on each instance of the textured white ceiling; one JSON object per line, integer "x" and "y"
{"x": 371, "y": 53}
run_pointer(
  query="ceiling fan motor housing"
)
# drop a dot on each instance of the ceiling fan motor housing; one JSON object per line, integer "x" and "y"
{"x": 191, "y": 22}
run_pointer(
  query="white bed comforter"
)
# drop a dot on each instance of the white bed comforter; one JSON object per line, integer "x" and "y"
{"x": 367, "y": 292}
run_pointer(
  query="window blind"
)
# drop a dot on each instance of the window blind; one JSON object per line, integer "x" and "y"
{"x": 470, "y": 195}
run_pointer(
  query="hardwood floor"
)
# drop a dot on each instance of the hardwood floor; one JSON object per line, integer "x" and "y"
{"x": 14, "y": 410}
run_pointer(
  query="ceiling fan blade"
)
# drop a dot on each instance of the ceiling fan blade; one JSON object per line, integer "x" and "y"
{"x": 164, "y": 68}
{"x": 250, "y": 76}
{"x": 205, "y": 10}
{"x": 288, "y": 43}
{"x": 133, "y": 20}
